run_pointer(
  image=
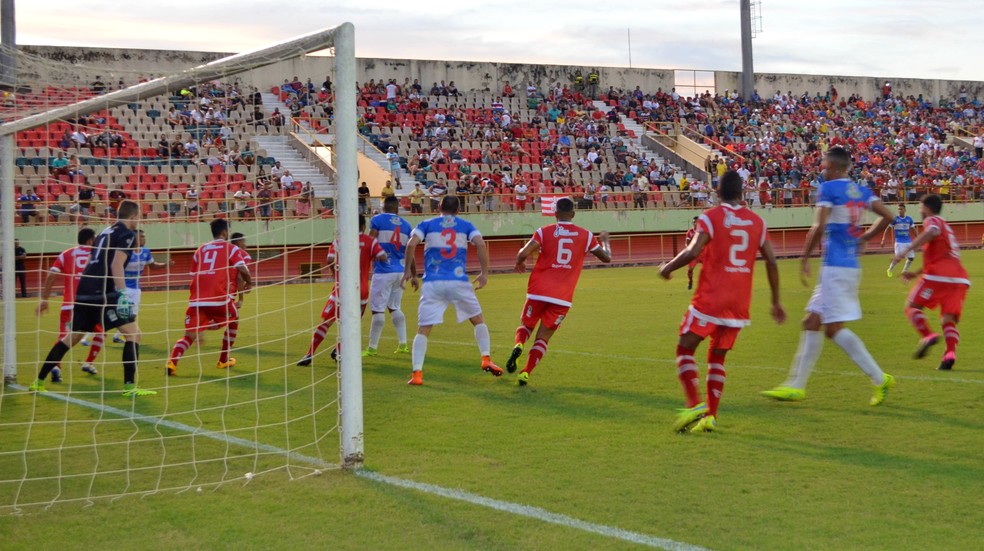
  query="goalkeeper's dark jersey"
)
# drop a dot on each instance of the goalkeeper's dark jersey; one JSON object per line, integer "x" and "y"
{"x": 96, "y": 285}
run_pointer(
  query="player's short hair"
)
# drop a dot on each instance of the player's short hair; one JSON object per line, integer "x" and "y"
{"x": 729, "y": 188}
{"x": 236, "y": 236}
{"x": 450, "y": 204}
{"x": 219, "y": 225}
{"x": 565, "y": 205}
{"x": 933, "y": 203}
{"x": 140, "y": 232}
{"x": 127, "y": 209}
{"x": 86, "y": 235}
{"x": 391, "y": 204}
{"x": 696, "y": 218}
{"x": 839, "y": 158}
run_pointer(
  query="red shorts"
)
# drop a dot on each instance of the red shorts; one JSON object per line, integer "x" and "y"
{"x": 722, "y": 337}
{"x": 549, "y": 315}
{"x": 200, "y": 318}
{"x": 520, "y": 204}
{"x": 331, "y": 309}
{"x": 948, "y": 296}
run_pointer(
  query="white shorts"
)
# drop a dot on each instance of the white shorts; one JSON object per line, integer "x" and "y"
{"x": 135, "y": 299}
{"x": 436, "y": 296}
{"x": 385, "y": 292}
{"x": 835, "y": 298}
{"x": 901, "y": 247}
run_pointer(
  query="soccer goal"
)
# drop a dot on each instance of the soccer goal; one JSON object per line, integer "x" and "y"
{"x": 189, "y": 145}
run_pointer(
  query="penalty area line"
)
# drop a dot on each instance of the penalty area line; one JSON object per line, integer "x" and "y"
{"x": 194, "y": 431}
{"x": 527, "y": 511}
{"x": 530, "y": 511}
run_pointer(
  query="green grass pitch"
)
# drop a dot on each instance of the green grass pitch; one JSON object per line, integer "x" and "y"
{"x": 589, "y": 438}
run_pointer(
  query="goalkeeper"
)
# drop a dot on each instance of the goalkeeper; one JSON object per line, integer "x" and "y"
{"x": 102, "y": 298}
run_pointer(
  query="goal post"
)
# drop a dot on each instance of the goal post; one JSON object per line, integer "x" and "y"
{"x": 271, "y": 443}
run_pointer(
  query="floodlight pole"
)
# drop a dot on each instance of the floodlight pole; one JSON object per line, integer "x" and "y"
{"x": 747, "y": 73}
{"x": 347, "y": 239}
{"x": 8, "y": 78}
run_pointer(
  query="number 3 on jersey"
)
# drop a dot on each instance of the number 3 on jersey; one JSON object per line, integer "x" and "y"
{"x": 451, "y": 240}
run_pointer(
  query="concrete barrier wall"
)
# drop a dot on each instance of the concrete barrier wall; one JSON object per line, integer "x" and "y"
{"x": 84, "y": 64}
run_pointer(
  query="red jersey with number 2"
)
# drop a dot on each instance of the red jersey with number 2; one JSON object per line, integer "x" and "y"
{"x": 724, "y": 290}
{"x": 563, "y": 247}
{"x": 369, "y": 249}
{"x": 214, "y": 272}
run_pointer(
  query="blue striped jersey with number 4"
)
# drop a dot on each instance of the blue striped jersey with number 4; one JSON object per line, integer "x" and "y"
{"x": 445, "y": 240}
{"x": 847, "y": 201}
{"x": 393, "y": 233}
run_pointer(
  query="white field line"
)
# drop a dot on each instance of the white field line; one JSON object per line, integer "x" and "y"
{"x": 527, "y": 511}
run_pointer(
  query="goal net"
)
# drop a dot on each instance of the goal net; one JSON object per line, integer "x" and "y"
{"x": 189, "y": 145}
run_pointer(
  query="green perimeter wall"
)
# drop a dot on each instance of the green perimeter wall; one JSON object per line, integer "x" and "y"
{"x": 161, "y": 235}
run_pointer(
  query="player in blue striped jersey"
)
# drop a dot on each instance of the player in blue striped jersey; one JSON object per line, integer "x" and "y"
{"x": 904, "y": 228}
{"x": 386, "y": 291}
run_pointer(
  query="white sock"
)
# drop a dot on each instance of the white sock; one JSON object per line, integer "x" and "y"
{"x": 400, "y": 323}
{"x": 851, "y": 343}
{"x": 811, "y": 343}
{"x": 483, "y": 339}
{"x": 891, "y": 265}
{"x": 376, "y": 329}
{"x": 419, "y": 351}
{"x": 908, "y": 262}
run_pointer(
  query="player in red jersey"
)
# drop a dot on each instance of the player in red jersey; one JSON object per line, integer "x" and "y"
{"x": 369, "y": 250}
{"x": 562, "y": 248}
{"x": 217, "y": 266}
{"x": 730, "y": 237}
{"x": 691, "y": 233}
{"x": 69, "y": 266}
{"x": 943, "y": 281}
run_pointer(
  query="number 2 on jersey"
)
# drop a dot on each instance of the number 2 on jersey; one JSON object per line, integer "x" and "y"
{"x": 739, "y": 247}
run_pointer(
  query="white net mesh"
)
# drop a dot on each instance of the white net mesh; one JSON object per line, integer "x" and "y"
{"x": 189, "y": 146}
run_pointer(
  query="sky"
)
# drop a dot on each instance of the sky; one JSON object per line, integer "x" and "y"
{"x": 935, "y": 39}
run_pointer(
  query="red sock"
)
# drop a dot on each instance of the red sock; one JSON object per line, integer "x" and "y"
{"x": 95, "y": 346}
{"x": 688, "y": 375}
{"x": 228, "y": 339}
{"x": 952, "y": 336}
{"x": 715, "y": 381}
{"x": 535, "y": 355}
{"x": 523, "y": 334}
{"x": 179, "y": 349}
{"x": 918, "y": 320}
{"x": 319, "y": 335}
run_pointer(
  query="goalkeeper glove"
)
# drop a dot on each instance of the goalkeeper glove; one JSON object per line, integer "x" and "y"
{"x": 124, "y": 306}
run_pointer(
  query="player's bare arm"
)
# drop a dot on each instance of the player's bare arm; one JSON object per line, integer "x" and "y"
{"x": 483, "y": 261}
{"x": 245, "y": 276}
{"x": 813, "y": 238}
{"x": 772, "y": 270}
{"x": 603, "y": 253}
{"x": 685, "y": 256}
{"x": 410, "y": 265}
{"x": 883, "y": 223}
{"x": 49, "y": 283}
{"x": 928, "y": 235}
{"x": 116, "y": 270}
{"x": 528, "y": 249}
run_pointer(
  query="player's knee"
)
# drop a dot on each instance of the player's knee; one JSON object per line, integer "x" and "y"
{"x": 811, "y": 322}
{"x": 832, "y": 329}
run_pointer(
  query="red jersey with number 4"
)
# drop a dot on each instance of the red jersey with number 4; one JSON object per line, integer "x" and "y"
{"x": 941, "y": 254}
{"x": 724, "y": 290}
{"x": 563, "y": 247}
{"x": 369, "y": 249}
{"x": 214, "y": 272}
{"x": 70, "y": 264}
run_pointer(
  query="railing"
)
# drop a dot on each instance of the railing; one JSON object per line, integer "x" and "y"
{"x": 283, "y": 207}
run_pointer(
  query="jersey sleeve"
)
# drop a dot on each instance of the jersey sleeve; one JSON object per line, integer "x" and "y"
{"x": 238, "y": 257}
{"x": 593, "y": 243}
{"x": 538, "y": 237}
{"x": 420, "y": 231}
{"x": 473, "y": 232}
{"x": 765, "y": 231}
{"x": 825, "y": 196}
{"x": 932, "y": 224}
{"x": 59, "y": 264}
{"x": 331, "y": 253}
{"x": 376, "y": 248}
{"x": 374, "y": 223}
{"x": 704, "y": 225}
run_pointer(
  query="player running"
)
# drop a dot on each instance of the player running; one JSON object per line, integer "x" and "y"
{"x": 215, "y": 271}
{"x": 729, "y": 237}
{"x": 70, "y": 264}
{"x": 134, "y": 269}
{"x": 841, "y": 204}
{"x": 385, "y": 293}
{"x": 562, "y": 247}
{"x": 101, "y": 299}
{"x": 942, "y": 282}
{"x": 369, "y": 250}
{"x": 446, "y": 240}
{"x": 691, "y": 233}
{"x": 904, "y": 229}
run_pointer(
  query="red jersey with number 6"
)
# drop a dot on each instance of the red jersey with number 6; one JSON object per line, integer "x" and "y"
{"x": 941, "y": 254}
{"x": 70, "y": 264}
{"x": 724, "y": 290}
{"x": 563, "y": 247}
{"x": 369, "y": 249}
{"x": 213, "y": 273}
